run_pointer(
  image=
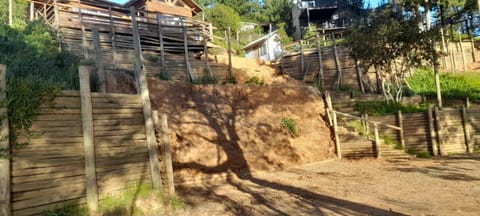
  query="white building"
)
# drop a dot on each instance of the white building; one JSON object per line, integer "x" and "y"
{"x": 266, "y": 48}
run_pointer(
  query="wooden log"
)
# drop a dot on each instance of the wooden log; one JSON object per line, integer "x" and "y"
{"x": 88, "y": 139}
{"x": 147, "y": 109}
{"x": 230, "y": 66}
{"x": 167, "y": 155}
{"x": 5, "y": 178}
{"x": 321, "y": 74}
{"x": 162, "y": 49}
{"x": 188, "y": 67}
{"x": 335, "y": 132}
{"x": 102, "y": 81}
{"x": 438, "y": 132}
{"x": 337, "y": 63}
{"x": 466, "y": 130}
{"x": 400, "y": 125}
{"x": 377, "y": 140}
{"x": 302, "y": 60}
{"x": 113, "y": 38}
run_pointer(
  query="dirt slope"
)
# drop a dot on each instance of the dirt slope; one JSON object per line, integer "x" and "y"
{"x": 222, "y": 128}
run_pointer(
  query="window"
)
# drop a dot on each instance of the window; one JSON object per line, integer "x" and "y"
{"x": 263, "y": 50}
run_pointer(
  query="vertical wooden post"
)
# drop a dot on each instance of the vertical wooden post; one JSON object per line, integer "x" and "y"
{"x": 359, "y": 76}
{"x": 210, "y": 29}
{"x": 162, "y": 48}
{"x": 167, "y": 154}
{"x": 467, "y": 102}
{"x": 438, "y": 130}
{"x": 84, "y": 36}
{"x": 205, "y": 50}
{"x": 367, "y": 124}
{"x": 432, "y": 132}
{"x": 321, "y": 76}
{"x": 188, "y": 68}
{"x": 329, "y": 106}
{"x": 113, "y": 38}
{"x": 230, "y": 73}
{"x": 102, "y": 81}
{"x": 437, "y": 76}
{"x": 302, "y": 60}
{"x": 466, "y": 129}
{"x": 32, "y": 11}
{"x": 57, "y": 16}
{"x": 337, "y": 63}
{"x": 10, "y": 12}
{"x": 147, "y": 108}
{"x": 377, "y": 140}
{"x": 464, "y": 59}
{"x": 335, "y": 132}
{"x": 472, "y": 42}
{"x": 5, "y": 178}
{"x": 400, "y": 125}
{"x": 88, "y": 138}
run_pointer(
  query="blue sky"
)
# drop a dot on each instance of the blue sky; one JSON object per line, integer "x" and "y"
{"x": 372, "y": 3}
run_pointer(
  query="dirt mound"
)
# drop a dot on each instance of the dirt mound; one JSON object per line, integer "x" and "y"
{"x": 221, "y": 128}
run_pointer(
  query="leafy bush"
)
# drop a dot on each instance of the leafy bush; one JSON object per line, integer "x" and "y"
{"x": 223, "y": 17}
{"x": 231, "y": 80}
{"x": 36, "y": 72}
{"x": 255, "y": 81}
{"x": 291, "y": 126}
{"x": 419, "y": 154}
{"x": 380, "y": 108}
{"x": 68, "y": 210}
{"x": 452, "y": 85}
{"x": 206, "y": 78}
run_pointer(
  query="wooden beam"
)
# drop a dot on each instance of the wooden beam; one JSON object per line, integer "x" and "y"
{"x": 113, "y": 38}
{"x": 438, "y": 129}
{"x": 88, "y": 138}
{"x": 167, "y": 155}
{"x": 432, "y": 131}
{"x": 188, "y": 68}
{"x": 302, "y": 60}
{"x": 337, "y": 63}
{"x": 321, "y": 76}
{"x": 147, "y": 108}
{"x": 466, "y": 129}
{"x": 400, "y": 125}
{"x": 5, "y": 178}
{"x": 335, "y": 131}
{"x": 377, "y": 140}
{"x": 102, "y": 81}
{"x": 162, "y": 49}
{"x": 229, "y": 44}
{"x": 10, "y": 12}
{"x": 32, "y": 11}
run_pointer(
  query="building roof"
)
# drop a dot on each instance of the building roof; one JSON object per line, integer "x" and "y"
{"x": 260, "y": 40}
{"x": 196, "y": 8}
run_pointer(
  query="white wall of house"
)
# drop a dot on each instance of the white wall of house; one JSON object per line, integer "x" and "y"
{"x": 270, "y": 50}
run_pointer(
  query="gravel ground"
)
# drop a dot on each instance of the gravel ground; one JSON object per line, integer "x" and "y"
{"x": 443, "y": 186}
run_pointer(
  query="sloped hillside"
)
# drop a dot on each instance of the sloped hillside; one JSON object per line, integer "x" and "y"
{"x": 215, "y": 129}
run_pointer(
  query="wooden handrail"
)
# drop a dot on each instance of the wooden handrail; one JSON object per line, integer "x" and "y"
{"x": 368, "y": 121}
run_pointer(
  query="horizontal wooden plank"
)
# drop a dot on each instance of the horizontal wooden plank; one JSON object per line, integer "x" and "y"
{"x": 64, "y": 189}
{"x": 110, "y": 122}
{"x": 40, "y": 209}
{"x": 39, "y": 163}
{"x": 57, "y": 197}
{"x": 40, "y": 177}
{"x": 17, "y": 172}
{"x": 50, "y": 183}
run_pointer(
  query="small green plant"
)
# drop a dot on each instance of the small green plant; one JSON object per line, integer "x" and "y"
{"x": 231, "y": 80}
{"x": 291, "y": 126}
{"x": 163, "y": 76}
{"x": 380, "y": 108}
{"x": 419, "y": 154}
{"x": 68, "y": 210}
{"x": 151, "y": 58}
{"x": 255, "y": 81}
{"x": 206, "y": 79}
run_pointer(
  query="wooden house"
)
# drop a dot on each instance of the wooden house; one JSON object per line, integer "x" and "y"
{"x": 184, "y": 8}
{"x": 267, "y": 48}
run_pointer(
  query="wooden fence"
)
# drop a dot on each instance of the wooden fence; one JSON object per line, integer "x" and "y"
{"x": 84, "y": 148}
{"x": 443, "y": 132}
{"x": 168, "y": 44}
{"x": 322, "y": 62}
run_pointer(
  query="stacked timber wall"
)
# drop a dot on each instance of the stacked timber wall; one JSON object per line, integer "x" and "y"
{"x": 169, "y": 45}
{"x": 50, "y": 170}
{"x": 444, "y": 132}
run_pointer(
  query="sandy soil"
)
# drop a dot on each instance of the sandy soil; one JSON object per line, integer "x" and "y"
{"x": 446, "y": 186}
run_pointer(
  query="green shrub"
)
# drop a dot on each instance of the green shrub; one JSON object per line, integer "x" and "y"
{"x": 206, "y": 79}
{"x": 68, "y": 210}
{"x": 231, "y": 80}
{"x": 291, "y": 126}
{"x": 163, "y": 76}
{"x": 419, "y": 154}
{"x": 255, "y": 81}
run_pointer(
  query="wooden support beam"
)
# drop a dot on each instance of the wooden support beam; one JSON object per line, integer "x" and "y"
{"x": 337, "y": 63}
{"x": 359, "y": 76}
{"x": 441, "y": 145}
{"x": 88, "y": 138}
{"x": 432, "y": 131}
{"x": 162, "y": 49}
{"x": 167, "y": 154}
{"x": 464, "y": 58}
{"x": 113, "y": 38}
{"x": 302, "y": 60}
{"x": 147, "y": 108}
{"x": 102, "y": 81}
{"x": 377, "y": 140}
{"x": 57, "y": 16}
{"x": 188, "y": 67}
{"x": 321, "y": 76}
{"x": 229, "y": 44}
{"x": 5, "y": 178}
{"x": 84, "y": 35}
{"x": 205, "y": 51}
{"x": 466, "y": 130}
{"x": 32, "y": 11}
{"x": 335, "y": 132}
{"x": 400, "y": 125}
{"x": 10, "y": 12}
{"x": 470, "y": 36}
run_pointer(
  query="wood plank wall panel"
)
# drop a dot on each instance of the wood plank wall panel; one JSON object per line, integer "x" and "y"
{"x": 386, "y": 131}
{"x": 474, "y": 120}
{"x": 51, "y": 168}
{"x": 120, "y": 142}
{"x": 452, "y": 131}
{"x": 416, "y": 131}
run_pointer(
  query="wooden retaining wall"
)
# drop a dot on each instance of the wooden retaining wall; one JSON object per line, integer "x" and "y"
{"x": 50, "y": 170}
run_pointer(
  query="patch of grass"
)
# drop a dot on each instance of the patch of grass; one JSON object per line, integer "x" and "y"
{"x": 380, "y": 108}
{"x": 123, "y": 204}
{"x": 255, "y": 81}
{"x": 206, "y": 79}
{"x": 419, "y": 154}
{"x": 291, "y": 125}
{"x": 164, "y": 76}
{"x": 68, "y": 210}
{"x": 231, "y": 80}
{"x": 459, "y": 85}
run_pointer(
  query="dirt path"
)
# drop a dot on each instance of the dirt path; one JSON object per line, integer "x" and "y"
{"x": 447, "y": 186}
